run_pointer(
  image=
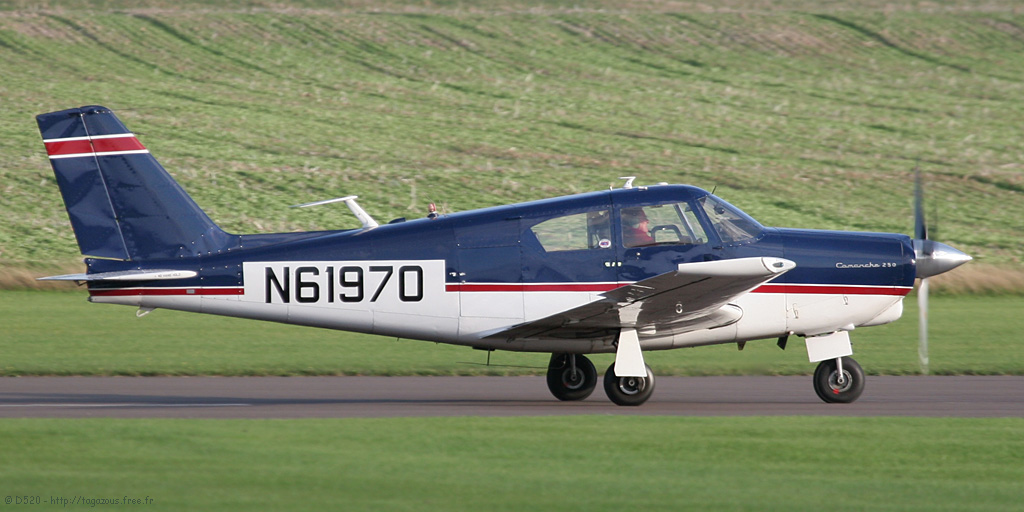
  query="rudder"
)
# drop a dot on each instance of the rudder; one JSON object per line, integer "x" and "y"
{"x": 122, "y": 203}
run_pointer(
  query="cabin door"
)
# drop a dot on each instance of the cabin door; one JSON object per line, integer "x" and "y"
{"x": 654, "y": 239}
{"x": 490, "y": 270}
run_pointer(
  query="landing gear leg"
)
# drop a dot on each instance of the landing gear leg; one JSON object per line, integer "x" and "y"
{"x": 839, "y": 380}
{"x": 628, "y": 390}
{"x": 571, "y": 377}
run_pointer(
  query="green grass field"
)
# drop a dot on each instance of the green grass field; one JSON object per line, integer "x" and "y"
{"x": 55, "y": 333}
{"x": 554, "y": 463}
{"x": 570, "y": 463}
{"x": 805, "y": 115}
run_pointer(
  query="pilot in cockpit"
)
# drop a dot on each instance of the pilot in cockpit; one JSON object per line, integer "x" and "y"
{"x": 635, "y": 230}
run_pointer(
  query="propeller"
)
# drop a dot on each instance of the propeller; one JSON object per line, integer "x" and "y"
{"x": 932, "y": 258}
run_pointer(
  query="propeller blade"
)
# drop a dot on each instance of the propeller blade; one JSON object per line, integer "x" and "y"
{"x": 933, "y": 258}
{"x": 920, "y": 227}
{"x": 922, "y": 308}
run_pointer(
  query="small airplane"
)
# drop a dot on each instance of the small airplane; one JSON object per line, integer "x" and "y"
{"x": 620, "y": 271}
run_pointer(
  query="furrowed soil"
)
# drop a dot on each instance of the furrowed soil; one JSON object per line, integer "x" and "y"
{"x": 803, "y": 115}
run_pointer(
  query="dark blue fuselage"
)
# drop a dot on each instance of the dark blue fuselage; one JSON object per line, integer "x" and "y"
{"x": 505, "y": 244}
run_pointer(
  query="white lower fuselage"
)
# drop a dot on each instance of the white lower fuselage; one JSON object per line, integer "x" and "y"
{"x": 412, "y": 300}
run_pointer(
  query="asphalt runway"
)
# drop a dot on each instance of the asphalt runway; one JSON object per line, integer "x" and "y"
{"x": 350, "y": 397}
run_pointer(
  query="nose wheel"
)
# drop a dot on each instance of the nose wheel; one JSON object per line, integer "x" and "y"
{"x": 571, "y": 377}
{"x": 839, "y": 380}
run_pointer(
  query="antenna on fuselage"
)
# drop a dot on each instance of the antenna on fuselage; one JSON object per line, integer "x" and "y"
{"x": 629, "y": 181}
{"x": 350, "y": 201}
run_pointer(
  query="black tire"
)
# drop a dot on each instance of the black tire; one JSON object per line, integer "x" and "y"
{"x": 566, "y": 385}
{"x": 826, "y": 381}
{"x": 628, "y": 390}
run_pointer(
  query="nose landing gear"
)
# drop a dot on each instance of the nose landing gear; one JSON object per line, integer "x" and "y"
{"x": 839, "y": 380}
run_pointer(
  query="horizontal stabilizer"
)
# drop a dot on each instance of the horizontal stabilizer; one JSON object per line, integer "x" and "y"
{"x": 126, "y": 275}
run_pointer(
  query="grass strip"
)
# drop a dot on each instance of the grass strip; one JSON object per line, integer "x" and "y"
{"x": 57, "y": 333}
{"x": 560, "y": 463}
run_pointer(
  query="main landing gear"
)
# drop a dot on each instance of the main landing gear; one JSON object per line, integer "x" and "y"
{"x": 839, "y": 380}
{"x": 628, "y": 390}
{"x": 573, "y": 377}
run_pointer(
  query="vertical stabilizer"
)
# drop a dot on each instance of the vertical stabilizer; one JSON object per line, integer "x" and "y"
{"x": 122, "y": 203}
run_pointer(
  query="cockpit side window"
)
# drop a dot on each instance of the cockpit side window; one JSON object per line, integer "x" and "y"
{"x": 580, "y": 231}
{"x": 731, "y": 224}
{"x": 662, "y": 224}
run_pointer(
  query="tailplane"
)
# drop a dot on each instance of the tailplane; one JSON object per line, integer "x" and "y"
{"x": 123, "y": 205}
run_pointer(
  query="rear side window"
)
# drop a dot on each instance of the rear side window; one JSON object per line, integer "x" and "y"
{"x": 580, "y": 231}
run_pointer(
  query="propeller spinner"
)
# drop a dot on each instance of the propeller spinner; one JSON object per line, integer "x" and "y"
{"x": 934, "y": 258}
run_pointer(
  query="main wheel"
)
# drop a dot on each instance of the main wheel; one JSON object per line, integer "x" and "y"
{"x": 628, "y": 390}
{"x": 832, "y": 388}
{"x": 568, "y": 382}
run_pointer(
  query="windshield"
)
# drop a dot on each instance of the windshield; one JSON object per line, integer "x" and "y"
{"x": 731, "y": 224}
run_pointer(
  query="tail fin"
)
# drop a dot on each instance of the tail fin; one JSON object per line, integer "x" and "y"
{"x": 122, "y": 204}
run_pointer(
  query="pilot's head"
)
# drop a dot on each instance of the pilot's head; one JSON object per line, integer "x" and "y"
{"x": 633, "y": 217}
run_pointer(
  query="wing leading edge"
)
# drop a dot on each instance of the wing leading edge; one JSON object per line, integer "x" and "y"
{"x": 694, "y": 296}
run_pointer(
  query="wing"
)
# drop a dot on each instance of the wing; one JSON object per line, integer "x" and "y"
{"x": 695, "y": 296}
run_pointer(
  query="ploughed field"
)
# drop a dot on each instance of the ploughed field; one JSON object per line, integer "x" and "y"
{"x": 803, "y": 116}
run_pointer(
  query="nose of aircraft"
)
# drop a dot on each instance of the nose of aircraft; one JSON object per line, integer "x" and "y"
{"x": 934, "y": 258}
